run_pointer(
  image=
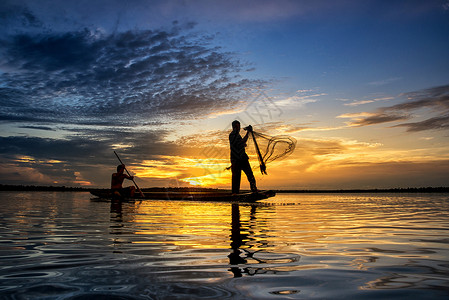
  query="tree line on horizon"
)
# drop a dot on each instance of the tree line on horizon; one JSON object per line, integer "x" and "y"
{"x": 10, "y": 187}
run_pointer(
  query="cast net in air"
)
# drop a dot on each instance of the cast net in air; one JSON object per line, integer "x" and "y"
{"x": 269, "y": 148}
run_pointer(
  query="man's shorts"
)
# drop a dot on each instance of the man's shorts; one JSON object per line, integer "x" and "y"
{"x": 124, "y": 192}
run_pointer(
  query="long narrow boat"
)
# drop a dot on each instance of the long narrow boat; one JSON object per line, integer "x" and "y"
{"x": 191, "y": 195}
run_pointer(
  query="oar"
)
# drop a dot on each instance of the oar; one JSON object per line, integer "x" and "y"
{"x": 263, "y": 168}
{"x": 141, "y": 194}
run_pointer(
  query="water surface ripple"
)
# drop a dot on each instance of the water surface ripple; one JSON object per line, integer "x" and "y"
{"x": 64, "y": 245}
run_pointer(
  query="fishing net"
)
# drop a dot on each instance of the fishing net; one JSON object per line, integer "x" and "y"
{"x": 269, "y": 148}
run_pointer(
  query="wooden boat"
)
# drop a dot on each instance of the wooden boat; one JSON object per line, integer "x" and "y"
{"x": 191, "y": 195}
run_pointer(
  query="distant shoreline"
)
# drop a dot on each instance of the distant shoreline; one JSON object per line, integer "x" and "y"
{"x": 7, "y": 187}
{"x": 392, "y": 190}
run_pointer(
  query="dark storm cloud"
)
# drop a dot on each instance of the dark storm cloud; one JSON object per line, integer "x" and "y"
{"x": 89, "y": 152}
{"x": 434, "y": 99}
{"x": 86, "y": 77}
{"x": 441, "y": 122}
{"x": 140, "y": 145}
{"x": 48, "y": 160}
{"x": 51, "y": 149}
{"x": 87, "y": 146}
{"x": 46, "y": 128}
{"x": 378, "y": 119}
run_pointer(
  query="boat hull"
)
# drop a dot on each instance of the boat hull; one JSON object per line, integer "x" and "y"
{"x": 191, "y": 196}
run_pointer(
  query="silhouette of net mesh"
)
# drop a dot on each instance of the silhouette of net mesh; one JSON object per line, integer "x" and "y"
{"x": 271, "y": 148}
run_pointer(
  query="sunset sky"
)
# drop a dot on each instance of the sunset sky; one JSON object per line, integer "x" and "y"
{"x": 363, "y": 87}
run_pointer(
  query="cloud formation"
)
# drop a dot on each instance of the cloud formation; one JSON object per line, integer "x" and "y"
{"x": 87, "y": 153}
{"x": 88, "y": 77}
{"x": 362, "y": 102}
{"x": 435, "y": 100}
{"x": 378, "y": 118}
{"x": 88, "y": 88}
{"x": 79, "y": 79}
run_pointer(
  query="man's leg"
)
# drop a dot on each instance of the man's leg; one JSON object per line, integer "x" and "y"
{"x": 132, "y": 190}
{"x": 246, "y": 167}
{"x": 236, "y": 176}
{"x": 116, "y": 194}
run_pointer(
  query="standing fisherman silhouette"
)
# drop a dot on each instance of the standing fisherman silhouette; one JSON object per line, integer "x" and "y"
{"x": 239, "y": 158}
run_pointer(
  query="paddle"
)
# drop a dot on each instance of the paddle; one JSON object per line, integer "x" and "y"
{"x": 141, "y": 194}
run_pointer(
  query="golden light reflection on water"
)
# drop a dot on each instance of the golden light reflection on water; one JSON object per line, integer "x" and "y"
{"x": 356, "y": 237}
{"x": 177, "y": 219}
{"x": 325, "y": 231}
{"x": 313, "y": 245}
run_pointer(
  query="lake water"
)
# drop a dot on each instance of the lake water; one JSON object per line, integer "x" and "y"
{"x": 63, "y": 245}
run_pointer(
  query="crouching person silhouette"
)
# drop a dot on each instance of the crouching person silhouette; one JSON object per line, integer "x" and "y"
{"x": 117, "y": 181}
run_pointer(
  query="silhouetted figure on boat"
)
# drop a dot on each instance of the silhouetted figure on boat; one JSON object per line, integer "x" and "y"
{"x": 239, "y": 158}
{"x": 117, "y": 181}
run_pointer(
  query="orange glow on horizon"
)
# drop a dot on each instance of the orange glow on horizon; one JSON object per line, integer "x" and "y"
{"x": 316, "y": 163}
{"x": 197, "y": 172}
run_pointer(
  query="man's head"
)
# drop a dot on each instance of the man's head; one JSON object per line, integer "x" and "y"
{"x": 120, "y": 168}
{"x": 236, "y": 125}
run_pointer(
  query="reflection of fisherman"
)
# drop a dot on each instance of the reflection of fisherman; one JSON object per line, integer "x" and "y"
{"x": 117, "y": 181}
{"x": 238, "y": 239}
{"x": 239, "y": 158}
{"x": 236, "y": 243}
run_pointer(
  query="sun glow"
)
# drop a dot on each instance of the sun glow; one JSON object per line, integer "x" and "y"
{"x": 213, "y": 179}
{"x": 317, "y": 162}
{"x": 194, "y": 171}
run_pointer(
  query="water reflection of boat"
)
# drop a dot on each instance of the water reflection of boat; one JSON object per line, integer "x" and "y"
{"x": 192, "y": 195}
